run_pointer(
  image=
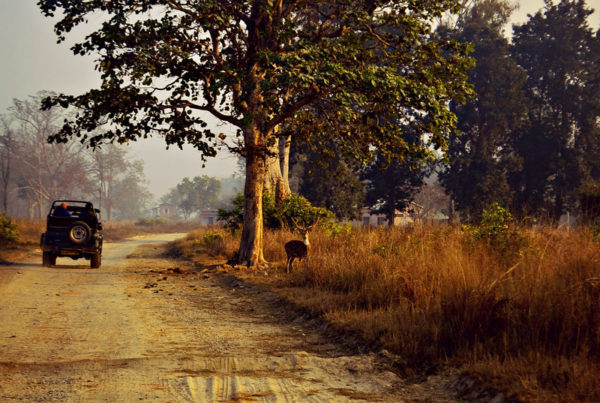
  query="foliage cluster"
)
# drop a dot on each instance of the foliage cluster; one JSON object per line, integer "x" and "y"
{"x": 33, "y": 172}
{"x": 201, "y": 243}
{"x": 498, "y": 231}
{"x": 9, "y": 233}
{"x": 355, "y": 72}
{"x": 529, "y": 139}
{"x": 294, "y": 208}
{"x": 194, "y": 195}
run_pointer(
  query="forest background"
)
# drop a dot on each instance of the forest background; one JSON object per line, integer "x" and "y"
{"x": 529, "y": 139}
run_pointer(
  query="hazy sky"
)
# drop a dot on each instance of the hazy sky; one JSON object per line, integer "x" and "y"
{"x": 31, "y": 61}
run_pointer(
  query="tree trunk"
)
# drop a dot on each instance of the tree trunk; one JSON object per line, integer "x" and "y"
{"x": 277, "y": 169}
{"x": 251, "y": 244}
{"x": 285, "y": 143}
{"x": 6, "y": 166}
{"x": 391, "y": 214}
{"x": 451, "y": 210}
{"x": 5, "y": 183}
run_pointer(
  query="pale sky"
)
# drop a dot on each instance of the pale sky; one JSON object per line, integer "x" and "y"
{"x": 32, "y": 61}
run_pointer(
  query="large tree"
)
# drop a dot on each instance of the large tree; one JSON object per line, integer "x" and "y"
{"x": 45, "y": 172}
{"x": 332, "y": 183}
{"x": 339, "y": 68}
{"x": 482, "y": 159}
{"x": 556, "y": 47}
{"x": 194, "y": 195}
{"x": 109, "y": 163}
{"x": 7, "y": 155}
{"x": 130, "y": 193}
{"x": 391, "y": 186}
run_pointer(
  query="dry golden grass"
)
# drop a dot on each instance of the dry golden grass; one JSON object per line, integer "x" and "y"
{"x": 213, "y": 241}
{"x": 31, "y": 230}
{"x": 119, "y": 230}
{"x": 526, "y": 319}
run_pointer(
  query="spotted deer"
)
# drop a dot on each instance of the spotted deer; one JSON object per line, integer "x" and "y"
{"x": 296, "y": 248}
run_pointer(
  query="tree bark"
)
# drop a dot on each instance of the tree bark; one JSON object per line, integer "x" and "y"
{"x": 391, "y": 214}
{"x": 285, "y": 143}
{"x": 251, "y": 245}
{"x": 276, "y": 182}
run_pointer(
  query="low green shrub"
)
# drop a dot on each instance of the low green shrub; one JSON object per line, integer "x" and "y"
{"x": 498, "y": 232}
{"x": 294, "y": 208}
{"x": 8, "y": 231}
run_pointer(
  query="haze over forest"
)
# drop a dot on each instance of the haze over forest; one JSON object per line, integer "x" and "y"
{"x": 34, "y": 62}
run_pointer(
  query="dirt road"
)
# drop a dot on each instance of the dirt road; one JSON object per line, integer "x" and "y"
{"x": 134, "y": 330}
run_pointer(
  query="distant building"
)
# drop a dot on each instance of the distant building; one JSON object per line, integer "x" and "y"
{"x": 434, "y": 218}
{"x": 209, "y": 217}
{"x": 401, "y": 218}
{"x": 165, "y": 210}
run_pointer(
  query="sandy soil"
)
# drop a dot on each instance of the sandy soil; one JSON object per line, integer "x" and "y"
{"x": 146, "y": 328}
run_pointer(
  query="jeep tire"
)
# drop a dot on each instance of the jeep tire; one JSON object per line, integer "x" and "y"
{"x": 80, "y": 233}
{"x": 47, "y": 259}
{"x": 96, "y": 260}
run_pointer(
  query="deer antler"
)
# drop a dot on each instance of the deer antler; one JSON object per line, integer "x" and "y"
{"x": 315, "y": 219}
{"x": 298, "y": 227}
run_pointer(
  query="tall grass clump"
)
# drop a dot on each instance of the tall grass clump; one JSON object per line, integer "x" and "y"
{"x": 214, "y": 242}
{"x": 492, "y": 293}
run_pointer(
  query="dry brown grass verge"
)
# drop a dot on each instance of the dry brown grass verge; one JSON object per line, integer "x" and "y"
{"x": 120, "y": 230}
{"x": 525, "y": 321}
{"x": 31, "y": 230}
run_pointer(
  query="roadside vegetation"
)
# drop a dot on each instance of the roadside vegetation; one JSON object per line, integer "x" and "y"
{"x": 519, "y": 308}
{"x": 19, "y": 236}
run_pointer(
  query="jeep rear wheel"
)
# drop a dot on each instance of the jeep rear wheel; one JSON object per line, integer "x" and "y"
{"x": 80, "y": 233}
{"x": 47, "y": 259}
{"x": 96, "y": 260}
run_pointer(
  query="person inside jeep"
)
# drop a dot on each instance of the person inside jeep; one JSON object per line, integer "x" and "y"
{"x": 62, "y": 211}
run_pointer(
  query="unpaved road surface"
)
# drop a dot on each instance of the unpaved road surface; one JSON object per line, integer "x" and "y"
{"x": 134, "y": 330}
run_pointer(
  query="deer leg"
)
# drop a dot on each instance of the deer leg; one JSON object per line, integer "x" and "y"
{"x": 289, "y": 263}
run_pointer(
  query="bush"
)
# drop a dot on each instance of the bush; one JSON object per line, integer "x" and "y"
{"x": 497, "y": 232}
{"x": 214, "y": 243}
{"x": 233, "y": 219}
{"x": 8, "y": 231}
{"x": 494, "y": 226}
{"x": 295, "y": 207}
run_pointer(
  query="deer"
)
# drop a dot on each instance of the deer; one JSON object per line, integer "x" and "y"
{"x": 296, "y": 248}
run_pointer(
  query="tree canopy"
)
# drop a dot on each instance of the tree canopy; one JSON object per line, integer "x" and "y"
{"x": 194, "y": 195}
{"x": 352, "y": 70}
{"x": 559, "y": 52}
{"x": 482, "y": 159}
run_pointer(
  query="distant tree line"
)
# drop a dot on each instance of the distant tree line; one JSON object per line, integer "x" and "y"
{"x": 34, "y": 172}
{"x": 193, "y": 195}
{"x": 529, "y": 139}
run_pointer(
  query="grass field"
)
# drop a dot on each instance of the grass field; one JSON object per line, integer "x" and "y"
{"x": 520, "y": 313}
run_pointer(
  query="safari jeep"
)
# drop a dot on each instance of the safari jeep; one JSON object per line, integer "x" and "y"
{"x": 75, "y": 233}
